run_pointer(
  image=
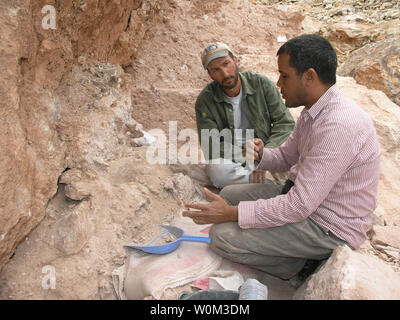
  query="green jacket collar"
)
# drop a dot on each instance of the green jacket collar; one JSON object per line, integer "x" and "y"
{"x": 246, "y": 88}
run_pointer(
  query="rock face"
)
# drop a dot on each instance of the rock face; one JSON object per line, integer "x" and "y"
{"x": 350, "y": 275}
{"x": 29, "y": 161}
{"x": 347, "y": 24}
{"x": 42, "y": 116}
{"x": 376, "y": 66}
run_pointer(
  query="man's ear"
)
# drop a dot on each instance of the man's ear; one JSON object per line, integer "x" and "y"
{"x": 310, "y": 76}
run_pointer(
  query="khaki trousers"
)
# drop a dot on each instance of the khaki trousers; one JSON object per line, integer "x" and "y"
{"x": 280, "y": 251}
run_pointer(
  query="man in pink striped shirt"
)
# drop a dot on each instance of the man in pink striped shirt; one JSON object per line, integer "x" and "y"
{"x": 333, "y": 161}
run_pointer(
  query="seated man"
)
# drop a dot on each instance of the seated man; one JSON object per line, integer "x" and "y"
{"x": 333, "y": 157}
{"x": 233, "y": 103}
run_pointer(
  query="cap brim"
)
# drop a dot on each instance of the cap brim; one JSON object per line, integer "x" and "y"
{"x": 216, "y": 55}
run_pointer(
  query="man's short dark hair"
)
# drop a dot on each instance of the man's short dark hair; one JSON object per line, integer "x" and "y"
{"x": 312, "y": 51}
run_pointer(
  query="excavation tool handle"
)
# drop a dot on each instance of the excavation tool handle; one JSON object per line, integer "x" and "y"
{"x": 195, "y": 239}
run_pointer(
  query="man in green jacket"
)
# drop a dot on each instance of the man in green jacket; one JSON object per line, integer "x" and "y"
{"x": 233, "y": 108}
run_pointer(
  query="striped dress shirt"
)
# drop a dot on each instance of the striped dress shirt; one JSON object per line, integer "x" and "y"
{"x": 333, "y": 159}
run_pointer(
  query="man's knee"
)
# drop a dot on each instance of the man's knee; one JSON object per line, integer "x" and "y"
{"x": 221, "y": 233}
{"x": 231, "y": 194}
{"x": 222, "y": 175}
{"x": 218, "y": 174}
{"x": 219, "y": 180}
{"x": 215, "y": 233}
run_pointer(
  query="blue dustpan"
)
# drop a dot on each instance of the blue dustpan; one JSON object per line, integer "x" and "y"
{"x": 168, "y": 247}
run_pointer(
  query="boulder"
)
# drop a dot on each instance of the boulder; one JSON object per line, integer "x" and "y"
{"x": 387, "y": 236}
{"x": 376, "y": 66}
{"x": 182, "y": 187}
{"x": 77, "y": 191}
{"x": 195, "y": 171}
{"x": 349, "y": 26}
{"x": 348, "y": 35}
{"x": 351, "y": 275}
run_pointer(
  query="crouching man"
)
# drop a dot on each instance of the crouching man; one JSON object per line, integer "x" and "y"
{"x": 232, "y": 105}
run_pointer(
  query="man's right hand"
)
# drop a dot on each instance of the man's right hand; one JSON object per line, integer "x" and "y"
{"x": 256, "y": 148}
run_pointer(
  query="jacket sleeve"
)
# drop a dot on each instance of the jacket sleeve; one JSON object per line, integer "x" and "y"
{"x": 282, "y": 122}
{"x": 214, "y": 143}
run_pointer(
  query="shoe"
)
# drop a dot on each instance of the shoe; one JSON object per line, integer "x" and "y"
{"x": 308, "y": 269}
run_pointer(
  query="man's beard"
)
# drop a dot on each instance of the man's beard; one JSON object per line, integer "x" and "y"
{"x": 235, "y": 82}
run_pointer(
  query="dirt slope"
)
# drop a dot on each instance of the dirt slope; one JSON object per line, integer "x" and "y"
{"x": 167, "y": 73}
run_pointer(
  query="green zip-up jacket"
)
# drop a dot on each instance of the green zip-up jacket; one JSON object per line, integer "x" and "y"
{"x": 262, "y": 105}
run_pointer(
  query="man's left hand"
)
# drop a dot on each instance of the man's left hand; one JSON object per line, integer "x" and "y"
{"x": 253, "y": 150}
{"x": 216, "y": 211}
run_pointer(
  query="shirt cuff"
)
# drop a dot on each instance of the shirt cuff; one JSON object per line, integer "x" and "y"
{"x": 247, "y": 214}
{"x": 264, "y": 160}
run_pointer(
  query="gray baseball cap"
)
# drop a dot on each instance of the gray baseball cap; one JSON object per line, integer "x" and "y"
{"x": 213, "y": 51}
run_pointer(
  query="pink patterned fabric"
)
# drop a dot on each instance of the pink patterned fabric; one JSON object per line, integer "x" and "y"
{"x": 333, "y": 156}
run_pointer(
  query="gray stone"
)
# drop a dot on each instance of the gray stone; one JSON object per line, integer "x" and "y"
{"x": 376, "y": 66}
{"x": 351, "y": 275}
{"x": 386, "y": 235}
